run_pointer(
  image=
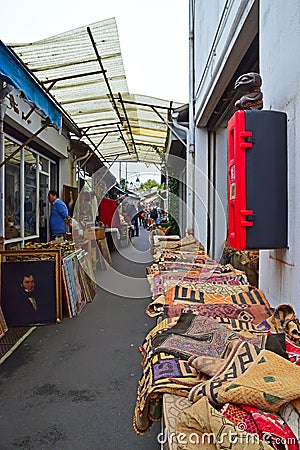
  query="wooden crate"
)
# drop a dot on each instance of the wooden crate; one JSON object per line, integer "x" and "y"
{"x": 89, "y": 234}
{"x": 100, "y": 233}
{"x": 94, "y": 233}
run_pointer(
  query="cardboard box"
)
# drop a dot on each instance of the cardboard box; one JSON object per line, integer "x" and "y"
{"x": 89, "y": 233}
{"x": 94, "y": 233}
{"x": 100, "y": 233}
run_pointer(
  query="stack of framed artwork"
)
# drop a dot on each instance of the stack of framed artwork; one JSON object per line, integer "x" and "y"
{"x": 78, "y": 282}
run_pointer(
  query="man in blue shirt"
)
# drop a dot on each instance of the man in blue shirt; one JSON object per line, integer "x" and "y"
{"x": 59, "y": 215}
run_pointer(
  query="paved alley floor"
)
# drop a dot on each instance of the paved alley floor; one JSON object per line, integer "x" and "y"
{"x": 72, "y": 386}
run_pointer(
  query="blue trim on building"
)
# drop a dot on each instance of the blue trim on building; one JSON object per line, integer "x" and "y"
{"x": 13, "y": 72}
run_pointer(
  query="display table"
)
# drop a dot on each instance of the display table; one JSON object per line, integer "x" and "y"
{"x": 158, "y": 238}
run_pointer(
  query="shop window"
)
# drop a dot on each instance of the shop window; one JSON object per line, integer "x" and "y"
{"x": 28, "y": 178}
{"x": 53, "y": 176}
{"x": 12, "y": 192}
{"x": 43, "y": 165}
{"x": 30, "y": 192}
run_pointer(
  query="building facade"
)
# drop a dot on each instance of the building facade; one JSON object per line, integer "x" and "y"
{"x": 36, "y": 153}
{"x": 231, "y": 38}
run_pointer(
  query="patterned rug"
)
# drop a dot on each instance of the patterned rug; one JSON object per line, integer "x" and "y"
{"x": 169, "y": 266}
{"x": 292, "y": 418}
{"x": 158, "y": 282}
{"x": 196, "y": 335}
{"x": 239, "y": 359}
{"x": 248, "y": 313}
{"x": 179, "y": 294}
{"x": 155, "y": 381}
{"x": 155, "y": 308}
{"x": 293, "y": 352}
{"x": 270, "y": 382}
{"x": 267, "y": 426}
{"x": 203, "y": 427}
{"x": 173, "y": 405}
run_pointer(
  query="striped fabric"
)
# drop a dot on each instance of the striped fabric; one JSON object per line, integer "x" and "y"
{"x": 179, "y": 294}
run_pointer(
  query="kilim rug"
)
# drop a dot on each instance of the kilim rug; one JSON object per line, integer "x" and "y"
{"x": 179, "y": 294}
{"x": 292, "y": 418}
{"x": 293, "y": 352}
{"x": 270, "y": 382}
{"x": 161, "y": 326}
{"x": 239, "y": 359}
{"x": 157, "y": 281}
{"x": 203, "y": 427}
{"x": 155, "y": 308}
{"x": 269, "y": 427}
{"x": 180, "y": 265}
{"x": 155, "y": 381}
{"x": 195, "y": 335}
{"x": 248, "y": 313}
{"x": 173, "y": 405}
{"x": 180, "y": 255}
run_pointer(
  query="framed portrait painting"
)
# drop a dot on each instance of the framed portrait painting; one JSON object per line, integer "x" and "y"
{"x": 31, "y": 287}
{"x": 70, "y": 195}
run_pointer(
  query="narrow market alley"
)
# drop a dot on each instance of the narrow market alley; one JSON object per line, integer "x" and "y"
{"x": 73, "y": 385}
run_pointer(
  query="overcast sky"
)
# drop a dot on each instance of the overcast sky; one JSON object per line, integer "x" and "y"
{"x": 153, "y": 36}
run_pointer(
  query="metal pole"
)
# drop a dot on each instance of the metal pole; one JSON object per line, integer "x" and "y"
{"x": 191, "y": 133}
{"x": 4, "y": 161}
{"x": 2, "y": 155}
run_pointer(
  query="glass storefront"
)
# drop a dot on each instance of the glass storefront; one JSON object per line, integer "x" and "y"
{"x": 12, "y": 192}
{"x": 28, "y": 178}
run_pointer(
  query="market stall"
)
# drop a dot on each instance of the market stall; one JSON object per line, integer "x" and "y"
{"x": 44, "y": 282}
{"x": 218, "y": 355}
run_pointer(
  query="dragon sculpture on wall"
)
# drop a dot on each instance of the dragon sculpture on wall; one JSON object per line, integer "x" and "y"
{"x": 250, "y": 84}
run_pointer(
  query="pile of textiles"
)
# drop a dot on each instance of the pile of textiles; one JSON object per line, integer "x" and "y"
{"x": 188, "y": 244}
{"x": 221, "y": 352}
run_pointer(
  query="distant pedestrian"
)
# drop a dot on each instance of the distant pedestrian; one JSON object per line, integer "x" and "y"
{"x": 133, "y": 215}
{"x": 140, "y": 210}
{"x": 154, "y": 214}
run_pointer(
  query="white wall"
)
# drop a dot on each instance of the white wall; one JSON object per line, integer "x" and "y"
{"x": 280, "y": 71}
{"x": 220, "y": 193}
{"x": 223, "y": 30}
{"x": 201, "y": 185}
{"x": 50, "y": 138}
{"x": 218, "y": 25}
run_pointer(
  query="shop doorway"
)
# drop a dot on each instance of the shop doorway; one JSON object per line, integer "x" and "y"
{"x": 43, "y": 207}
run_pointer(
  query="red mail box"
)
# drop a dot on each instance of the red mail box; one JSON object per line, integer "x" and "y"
{"x": 257, "y": 180}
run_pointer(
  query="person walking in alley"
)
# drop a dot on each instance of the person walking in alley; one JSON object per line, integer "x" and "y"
{"x": 59, "y": 215}
{"x": 133, "y": 214}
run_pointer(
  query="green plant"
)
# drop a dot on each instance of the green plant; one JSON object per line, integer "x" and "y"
{"x": 149, "y": 184}
{"x": 173, "y": 186}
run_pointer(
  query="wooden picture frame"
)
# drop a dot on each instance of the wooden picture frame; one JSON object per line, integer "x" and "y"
{"x": 87, "y": 276}
{"x": 75, "y": 295}
{"x": 69, "y": 196}
{"x": 30, "y": 292}
{"x": 3, "y": 324}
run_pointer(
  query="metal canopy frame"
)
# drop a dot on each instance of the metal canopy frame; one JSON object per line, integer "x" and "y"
{"x": 83, "y": 71}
